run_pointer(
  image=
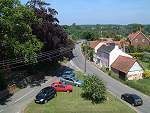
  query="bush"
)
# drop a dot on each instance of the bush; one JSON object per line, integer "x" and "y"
{"x": 94, "y": 89}
{"x": 147, "y": 74}
{"x": 137, "y": 55}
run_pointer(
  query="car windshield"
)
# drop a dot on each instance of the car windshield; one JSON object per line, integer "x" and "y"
{"x": 136, "y": 97}
{"x": 41, "y": 94}
{"x": 68, "y": 72}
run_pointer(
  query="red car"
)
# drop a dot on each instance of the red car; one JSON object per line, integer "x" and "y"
{"x": 60, "y": 87}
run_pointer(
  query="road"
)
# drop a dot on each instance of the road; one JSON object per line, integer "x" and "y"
{"x": 113, "y": 85}
{"x": 23, "y": 97}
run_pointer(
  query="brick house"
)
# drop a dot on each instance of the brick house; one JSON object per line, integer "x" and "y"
{"x": 138, "y": 39}
{"x": 127, "y": 68}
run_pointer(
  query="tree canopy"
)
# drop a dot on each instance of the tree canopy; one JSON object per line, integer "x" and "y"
{"x": 94, "y": 89}
{"x": 16, "y": 38}
{"x": 26, "y": 30}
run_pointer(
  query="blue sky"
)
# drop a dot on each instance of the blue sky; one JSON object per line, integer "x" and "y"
{"x": 101, "y": 11}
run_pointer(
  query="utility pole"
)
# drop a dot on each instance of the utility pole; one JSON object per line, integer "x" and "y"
{"x": 85, "y": 57}
{"x": 85, "y": 64}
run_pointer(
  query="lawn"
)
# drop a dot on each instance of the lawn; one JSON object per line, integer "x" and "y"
{"x": 73, "y": 103}
{"x": 141, "y": 85}
{"x": 146, "y": 65}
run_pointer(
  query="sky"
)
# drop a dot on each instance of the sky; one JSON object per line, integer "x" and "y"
{"x": 101, "y": 11}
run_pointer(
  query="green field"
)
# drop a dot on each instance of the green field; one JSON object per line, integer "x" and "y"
{"x": 73, "y": 103}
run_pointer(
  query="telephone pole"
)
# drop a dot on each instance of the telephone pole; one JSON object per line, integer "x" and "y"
{"x": 85, "y": 57}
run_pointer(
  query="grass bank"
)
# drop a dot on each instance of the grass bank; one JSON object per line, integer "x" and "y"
{"x": 66, "y": 102}
{"x": 73, "y": 103}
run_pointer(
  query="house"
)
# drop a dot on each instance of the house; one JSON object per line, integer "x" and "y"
{"x": 95, "y": 45}
{"x": 108, "y": 53}
{"x": 138, "y": 39}
{"x": 127, "y": 68}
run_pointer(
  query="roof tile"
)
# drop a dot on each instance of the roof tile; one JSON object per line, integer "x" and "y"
{"x": 123, "y": 63}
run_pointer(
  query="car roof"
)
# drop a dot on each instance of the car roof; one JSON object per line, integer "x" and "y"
{"x": 133, "y": 95}
{"x": 47, "y": 88}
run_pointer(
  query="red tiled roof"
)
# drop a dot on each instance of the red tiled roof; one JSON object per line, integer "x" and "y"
{"x": 133, "y": 35}
{"x": 93, "y": 44}
{"x": 123, "y": 63}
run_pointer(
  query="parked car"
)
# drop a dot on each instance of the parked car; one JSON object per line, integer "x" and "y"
{"x": 72, "y": 75}
{"x": 72, "y": 81}
{"x": 60, "y": 87}
{"x": 45, "y": 95}
{"x": 68, "y": 73}
{"x": 133, "y": 99}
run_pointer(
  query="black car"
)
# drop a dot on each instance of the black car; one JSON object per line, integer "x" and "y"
{"x": 133, "y": 99}
{"x": 45, "y": 95}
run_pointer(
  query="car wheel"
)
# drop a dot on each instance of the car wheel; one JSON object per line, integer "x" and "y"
{"x": 45, "y": 101}
{"x": 122, "y": 98}
{"x": 133, "y": 104}
{"x": 77, "y": 85}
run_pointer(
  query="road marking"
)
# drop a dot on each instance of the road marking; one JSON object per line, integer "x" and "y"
{"x": 1, "y": 110}
{"x": 24, "y": 96}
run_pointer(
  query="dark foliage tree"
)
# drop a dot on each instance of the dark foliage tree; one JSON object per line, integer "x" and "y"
{"x": 48, "y": 31}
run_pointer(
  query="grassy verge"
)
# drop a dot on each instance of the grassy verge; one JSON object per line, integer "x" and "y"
{"x": 146, "y": 65}
{"x": 141, "y": 85}
{"x": 73, "y": 103}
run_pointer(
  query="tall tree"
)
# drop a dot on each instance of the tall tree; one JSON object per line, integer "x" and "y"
{"x": 16, "y": 38}
{"x": 49, "y": 31}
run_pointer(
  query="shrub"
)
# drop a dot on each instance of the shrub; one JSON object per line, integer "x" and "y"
{"x": 94, "y": 89}
{"x": 137, "y": 55}
{"x": 147, "y": 74}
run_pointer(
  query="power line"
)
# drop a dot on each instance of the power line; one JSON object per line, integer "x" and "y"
{"x": 39, "y": 60}
{"x": 40, "y": 57}
{"x": 16, "y": 59}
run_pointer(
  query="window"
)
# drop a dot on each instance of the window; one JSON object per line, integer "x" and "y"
{"x": 143, "y": 40}
{"x": 61, "y": 86}
{"x": 136, "y": 40}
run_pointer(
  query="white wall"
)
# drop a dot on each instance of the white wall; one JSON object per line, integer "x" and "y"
{"x": 98, "y": 46}
{"x": 136, "y": 72}
{"x": 136, "y": 67}
{"x": 114, "y": 54}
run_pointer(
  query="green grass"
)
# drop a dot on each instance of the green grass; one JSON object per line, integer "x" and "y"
{"x": 146, "y": 65}
{"x": 73, "y": 103}
{"x": 141, "y": 85}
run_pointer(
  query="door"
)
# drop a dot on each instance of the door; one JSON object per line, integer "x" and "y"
{"x": 122, "y": 75}
{"x": 60, "y": 88}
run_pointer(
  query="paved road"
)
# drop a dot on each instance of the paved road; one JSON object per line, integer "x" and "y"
{"x": 113, "y": 85}
{"x": 22, "y": 98}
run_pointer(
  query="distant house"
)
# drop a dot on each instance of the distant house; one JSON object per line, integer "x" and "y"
{"x": 139, "y": 39}
{"x": 107, "y": 54}
{"x": 127, "y": 68}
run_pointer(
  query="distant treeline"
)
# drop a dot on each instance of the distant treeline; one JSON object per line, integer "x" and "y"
{"x": 116, "y": 32}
